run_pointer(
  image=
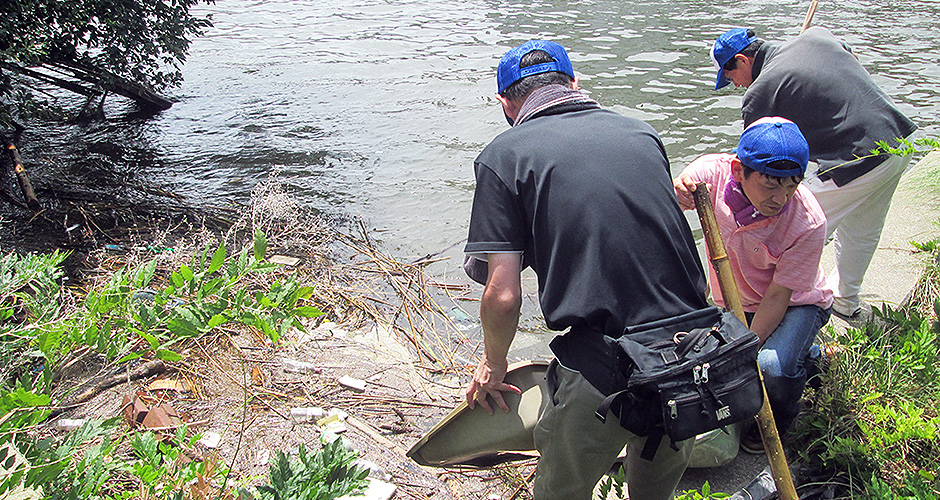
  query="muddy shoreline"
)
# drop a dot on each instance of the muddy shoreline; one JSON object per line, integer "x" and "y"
{"x": 238, "y": 386}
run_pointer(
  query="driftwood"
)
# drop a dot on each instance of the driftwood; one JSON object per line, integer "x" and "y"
{"x": 25, "y": 185}
{"x": 58, "y": 82}
{"x": 96, "y": 386}
{"x": 101, "y": 81}
{"x": 112, "y": 83}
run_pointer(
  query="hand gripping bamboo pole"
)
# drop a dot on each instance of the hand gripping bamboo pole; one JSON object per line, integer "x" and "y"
{"x": 729, "y": 291}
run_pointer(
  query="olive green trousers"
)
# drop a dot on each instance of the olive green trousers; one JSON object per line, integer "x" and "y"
{"x": 577, "y": 449}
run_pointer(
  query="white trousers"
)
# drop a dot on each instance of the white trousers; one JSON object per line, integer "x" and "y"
{"x": 856, "y": 214}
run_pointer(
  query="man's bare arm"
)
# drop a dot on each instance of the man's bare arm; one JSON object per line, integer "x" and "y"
{"x": 499, "y": 314}
{"x": 770, "y": 311}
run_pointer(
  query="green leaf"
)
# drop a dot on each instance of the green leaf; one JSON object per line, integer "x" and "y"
{"x": 307, "y": 311}
{"x": 177, "y": 279}
{"x": 218, "y": 259}
{"x": 154, "y": 343}
{"x": 104, "y": 338}
{"x": 216, "y": 320}
{"x": 241, "y": 264}
{"x": 282, "y": 329}
{"x": 182, "y": 327}
{"x": 261, "y": 245}
{"x": 186, "y": 272}
{"x": 91, "y": 334}
{"x": 210, "y": 287}
{"x": 167, "y": 355}
{"x": 21, "y": 398}
{"x": 128, "y": 357}
{"x": 145, "y": 274}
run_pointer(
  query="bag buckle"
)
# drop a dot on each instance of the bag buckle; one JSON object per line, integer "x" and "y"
{"x": 669, "y": 357}
{"x": 679, "y": 336}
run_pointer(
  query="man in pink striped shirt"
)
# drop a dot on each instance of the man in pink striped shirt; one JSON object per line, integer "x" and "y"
{"x": 774, "y": 232}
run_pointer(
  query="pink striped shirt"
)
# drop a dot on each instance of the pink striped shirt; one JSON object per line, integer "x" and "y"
{"x": 784, "y": 249}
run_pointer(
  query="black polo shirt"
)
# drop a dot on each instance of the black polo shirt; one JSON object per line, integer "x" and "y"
{"x": 587, "y": 197}
{"x": 815, "y": 81}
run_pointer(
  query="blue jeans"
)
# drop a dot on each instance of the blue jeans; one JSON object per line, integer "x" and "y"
{"x": 783, "y": 358}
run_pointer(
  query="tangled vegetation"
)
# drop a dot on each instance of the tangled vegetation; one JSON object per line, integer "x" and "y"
{"x": 165, "y": 297}
{"x": 122, "y": 320}
{"x": 872, "y": 428}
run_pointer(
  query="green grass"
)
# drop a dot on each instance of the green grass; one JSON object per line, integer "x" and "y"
{"x": 874, "y": 425}
{"x": 141, "y": 312}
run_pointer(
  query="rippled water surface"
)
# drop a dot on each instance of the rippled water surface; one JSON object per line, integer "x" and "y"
{"x": 377, "y": 108}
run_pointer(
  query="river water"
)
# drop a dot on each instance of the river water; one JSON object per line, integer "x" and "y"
{"x": 376, "y": 108}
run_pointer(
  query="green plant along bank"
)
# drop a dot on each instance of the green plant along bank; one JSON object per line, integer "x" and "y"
{"x": 42, "y": 326}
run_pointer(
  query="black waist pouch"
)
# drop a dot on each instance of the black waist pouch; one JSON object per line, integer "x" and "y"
{"x": 681, "y": 383}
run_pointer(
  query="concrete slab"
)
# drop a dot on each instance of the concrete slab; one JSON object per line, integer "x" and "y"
{"x": 914, "y": 216}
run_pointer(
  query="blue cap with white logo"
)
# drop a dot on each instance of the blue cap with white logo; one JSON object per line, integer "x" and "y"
{"x": 509, "y": 71}
{"x": 773, "y": 139}
{"x": 725, "y": 48}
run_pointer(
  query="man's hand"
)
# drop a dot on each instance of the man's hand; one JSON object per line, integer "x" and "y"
{"x": 488, "y": 380}
{"x": 684, "y": 186}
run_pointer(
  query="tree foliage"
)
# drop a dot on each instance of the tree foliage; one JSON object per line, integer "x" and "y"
{"x": 139, "y": 41}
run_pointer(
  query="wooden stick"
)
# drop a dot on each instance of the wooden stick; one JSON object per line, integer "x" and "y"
{"x": 96, "y": 386}
{"x": 809, "y": 16}
{"x": 729, "y": 291}
{"x": 21, "y": 177}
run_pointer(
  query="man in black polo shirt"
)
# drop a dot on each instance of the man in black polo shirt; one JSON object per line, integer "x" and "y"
{"x": 584, "y": 197}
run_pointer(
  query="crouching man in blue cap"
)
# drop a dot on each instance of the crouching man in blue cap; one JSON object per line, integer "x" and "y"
{"x": 774, "y": 232}
{"x": 583, "y": 196}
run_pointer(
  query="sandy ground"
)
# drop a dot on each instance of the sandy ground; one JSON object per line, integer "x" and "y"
{"x": 239, "y": 387}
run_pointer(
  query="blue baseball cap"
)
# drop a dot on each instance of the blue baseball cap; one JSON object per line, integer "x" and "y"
{"x": 771, "y": 139}
{"x": 725, "y": 48}
{"x": 509, "y": 71}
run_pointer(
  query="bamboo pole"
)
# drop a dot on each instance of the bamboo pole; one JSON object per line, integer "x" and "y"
{"x": 21, "y": 177}
{"x": 808, "y": 21}
{"x": 729, "y": 291}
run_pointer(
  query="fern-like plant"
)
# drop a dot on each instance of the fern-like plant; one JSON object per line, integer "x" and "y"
{"x": 325, "y": 475}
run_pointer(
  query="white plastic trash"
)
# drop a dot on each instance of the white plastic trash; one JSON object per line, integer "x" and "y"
{"x": 70, "y": 424}
{"x": 292, "y": 365}
{"x": 211, "y": 440}
{"x": 352, "y": 383}
{"x": 306, "y": 414}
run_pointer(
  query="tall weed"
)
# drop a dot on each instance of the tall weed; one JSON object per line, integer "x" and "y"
{"x": 324, "y": 475}
{"x": 875, "y": 418}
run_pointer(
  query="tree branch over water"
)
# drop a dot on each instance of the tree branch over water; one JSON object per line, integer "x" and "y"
{"x": 133, "y": 49}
